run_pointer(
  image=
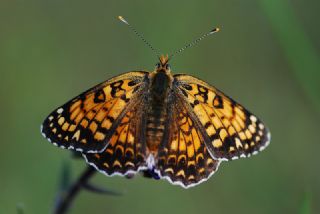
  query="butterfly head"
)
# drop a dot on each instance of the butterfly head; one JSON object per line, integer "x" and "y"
{"x": 163, "y": 65}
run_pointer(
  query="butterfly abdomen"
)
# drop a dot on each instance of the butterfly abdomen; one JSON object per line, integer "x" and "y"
{"x": 155, "y": 128}
{"x": 157, "y": 111}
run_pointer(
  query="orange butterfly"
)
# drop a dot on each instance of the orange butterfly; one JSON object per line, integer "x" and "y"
{"x": 175, "y": 126}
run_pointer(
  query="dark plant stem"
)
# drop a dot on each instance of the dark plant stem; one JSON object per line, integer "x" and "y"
{"x": 66, "y": 198}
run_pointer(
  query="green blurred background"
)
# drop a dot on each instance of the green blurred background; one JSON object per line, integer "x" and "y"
{"x": 266, "y": 57}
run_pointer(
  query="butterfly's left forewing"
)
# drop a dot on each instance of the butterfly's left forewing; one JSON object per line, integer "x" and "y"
{"x": 230, "y": 131}
{"x": 87, "y": 122}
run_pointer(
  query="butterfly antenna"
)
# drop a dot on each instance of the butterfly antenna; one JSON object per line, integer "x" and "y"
{"x": 215, "y": 30}
{"x": 139, "y": 35}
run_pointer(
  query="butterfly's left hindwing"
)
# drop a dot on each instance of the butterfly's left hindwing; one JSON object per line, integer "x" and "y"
{"x": 126, "y": 151}
{"x": 229, "y": 129}
{"x": 87, "y": 122}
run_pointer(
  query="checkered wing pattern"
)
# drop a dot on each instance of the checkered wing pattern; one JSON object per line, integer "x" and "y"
{"x": 87, "y": 122}
{"x": 126, "y": 151}
{"x": 183, "y": 156}
{"x": 229, "y": 130}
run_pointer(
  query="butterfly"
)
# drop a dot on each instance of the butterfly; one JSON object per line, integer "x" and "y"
{"x": 176, "y": 127}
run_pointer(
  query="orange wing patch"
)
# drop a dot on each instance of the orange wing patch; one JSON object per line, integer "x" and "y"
{"x": 231, "y": 131}
{"x": 87, "y": 122}
{"x": 126, "y": 150}
{"x": 183, "y": 157}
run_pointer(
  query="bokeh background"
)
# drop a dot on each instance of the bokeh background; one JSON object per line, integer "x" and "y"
{"x": 266, "y": 57}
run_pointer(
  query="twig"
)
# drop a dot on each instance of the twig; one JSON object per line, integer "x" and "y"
{"x": 99, "y": 190}
{"x": 67, "y": 198}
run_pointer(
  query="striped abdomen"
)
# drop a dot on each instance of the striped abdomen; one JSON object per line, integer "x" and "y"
{"x": 157, "y": 111}
{"x": 155, "y": 126}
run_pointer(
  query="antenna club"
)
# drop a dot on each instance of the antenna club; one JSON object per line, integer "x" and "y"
{"x": 138, "y": 34}
{"x": 215, "y": 30}
{"x": 123, "y": 20}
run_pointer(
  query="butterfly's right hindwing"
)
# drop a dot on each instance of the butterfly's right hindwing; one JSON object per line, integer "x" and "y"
{"x": 183, "y": 157}
{"x": 87, "y": 122}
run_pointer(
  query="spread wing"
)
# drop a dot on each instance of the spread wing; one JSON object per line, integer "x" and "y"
{"x": 230, "y": 131}
{"x": 126, "y": 151}
{"x": 183, "y": 158}
{"x": 87, "y": 122}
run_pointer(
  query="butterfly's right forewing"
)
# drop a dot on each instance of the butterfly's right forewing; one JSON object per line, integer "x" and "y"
{"x": 229, "y": 129}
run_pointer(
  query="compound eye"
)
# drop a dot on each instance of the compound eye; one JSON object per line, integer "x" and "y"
{"x": 158, "y": 65}
{"x": 168, "y": 67}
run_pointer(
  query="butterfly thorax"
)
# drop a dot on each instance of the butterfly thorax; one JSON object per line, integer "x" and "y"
{"x": 160, "y": 85}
